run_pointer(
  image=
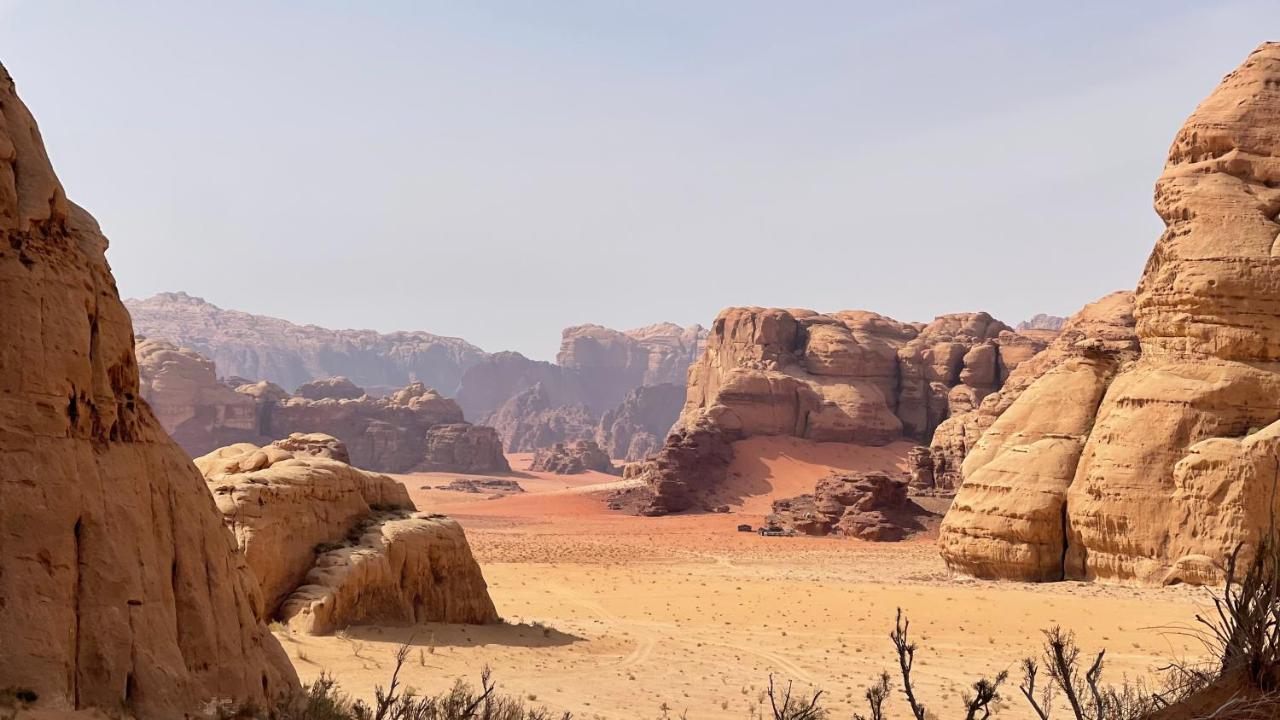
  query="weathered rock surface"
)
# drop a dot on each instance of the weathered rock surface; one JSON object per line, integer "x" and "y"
{"x": 636, "y": 428}
{"x": 868, "y": 506}
{"x": 197, "y": 410}
{"x": 120, "y": 588}
{"x": 403, "y": 569}
{"x": 334, "y": 546}
{"x": 853, "y": 377}
{"x": 266, "y": 348}
{"x": 691, "y": 461}
{"x": 572, "y": 458}
{"x": 1103, "y": 327}
{"x": 414, "y": 428}
{"x": 282, "y": 503}
{"x": 1175, "y": 464}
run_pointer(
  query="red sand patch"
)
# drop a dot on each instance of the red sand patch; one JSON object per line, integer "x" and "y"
{"x": 765, "y": 469}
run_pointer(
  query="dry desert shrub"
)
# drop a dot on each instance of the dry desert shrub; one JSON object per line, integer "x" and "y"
{"x": 323, "y": 700}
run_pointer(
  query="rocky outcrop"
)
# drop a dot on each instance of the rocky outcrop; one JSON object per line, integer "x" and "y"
{"x": 636, "y": 428}
{"x": 1160, "y": 473}
{"x": 333, "y": 546}
{"x": 846, "y": 377}
{"x": 1105, "y": 327}
{"x": 464, "y": 448}
{"x": 266, "y": 348}
{"x": 282, "y": 503}
{"x": 530, "y": 421}
{"x": 402, "y": 569}
{"x": 412, "y": 429}
{"x": 1040, "y": 321}
{"x": 691, "y": 461}
{"x": 536, "y": 404}
{"x": 197, "y": 410}
{"x": 867, "y": 506}
{"x": 334, "y": 388}
{"x": 851, "y": 377}
{"x": 387, "y": 434}
{"x": 572, "y": 458}
{"x": 120, "y": 588}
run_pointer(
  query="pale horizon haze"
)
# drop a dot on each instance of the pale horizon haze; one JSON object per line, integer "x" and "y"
{"x": 499, "y": 171}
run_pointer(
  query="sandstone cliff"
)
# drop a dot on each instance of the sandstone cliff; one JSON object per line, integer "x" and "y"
{"x": 120, "y": 588}
{"x": 535, "y": 404}
{"x": 333, "y": 546}
{"x": 266, "y": 348}
{"x": 395, "y": 433}
{"x": 197, "y": 410}
{"x": 1105, "y": 326}
{"x": 851, "y": 377}
{"x": 637, "y": 427}
{"x": 1155, "y": 470}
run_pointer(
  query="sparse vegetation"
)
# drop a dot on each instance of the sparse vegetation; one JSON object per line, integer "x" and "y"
{"x": 323, "y": 700}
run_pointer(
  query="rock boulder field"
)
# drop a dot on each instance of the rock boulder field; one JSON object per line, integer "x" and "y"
{"x": 120, "y": 587}
{"x": 333, "y": 546}
{"x": 1153, "y": 468}
{"x": 848, "y": 377}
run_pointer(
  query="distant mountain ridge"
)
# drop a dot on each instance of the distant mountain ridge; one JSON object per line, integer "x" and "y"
{"x": 267, "y": 348}
{"x": 599, "y": 371}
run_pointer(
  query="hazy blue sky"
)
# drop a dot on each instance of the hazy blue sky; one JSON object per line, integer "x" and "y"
{"x": 498, "y": 171}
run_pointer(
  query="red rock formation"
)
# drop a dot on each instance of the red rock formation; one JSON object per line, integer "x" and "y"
{"x": 266, "y": 348}
{"x": 854, "y": 377}
{"x": 1156, "y": 470}
{"x": 572, "y": 458}
{"x": 196, "y": 410}
{"x": 867, "y": 506}
{"x": 120, "y": 588}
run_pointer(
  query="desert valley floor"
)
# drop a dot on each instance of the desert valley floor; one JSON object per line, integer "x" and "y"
{"x": 616, "y": 616}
